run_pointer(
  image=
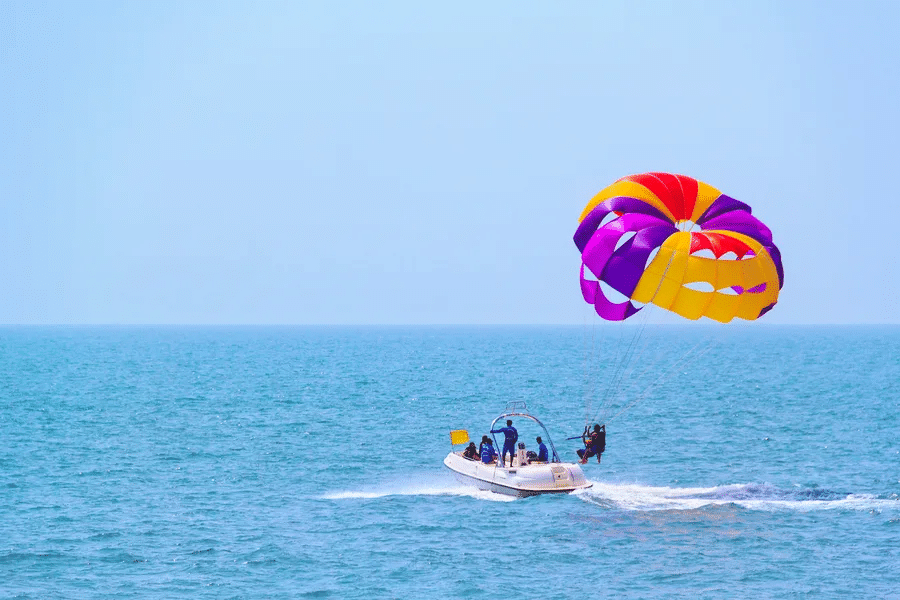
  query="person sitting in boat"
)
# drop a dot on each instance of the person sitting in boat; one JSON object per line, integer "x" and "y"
{"x": 541, "y": 455}
{"x": 511, "y": 436}
{"x": 594, "y": 445}
{"x": 471, "y": 452}
{"x": 488, "y": 454}
{"x": 484, "y": 440}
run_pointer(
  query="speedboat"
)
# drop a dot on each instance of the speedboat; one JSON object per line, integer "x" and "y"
{"x": 524, "y": 477}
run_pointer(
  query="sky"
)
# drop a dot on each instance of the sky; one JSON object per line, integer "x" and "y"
{"x": 426, "y": 163}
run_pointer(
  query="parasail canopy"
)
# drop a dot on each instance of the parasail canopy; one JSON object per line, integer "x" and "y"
{"x": 680, "y": 244}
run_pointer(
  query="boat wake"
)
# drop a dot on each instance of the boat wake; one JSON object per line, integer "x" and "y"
{"x": 438, "y": 487}
{"x": 754, "y": 496}
{"x": 635, "y": 497}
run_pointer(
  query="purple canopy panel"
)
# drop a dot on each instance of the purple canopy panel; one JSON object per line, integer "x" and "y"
{"x": 589, "y": 288}
{"x": 593, "y": 294}
{"x": 624, "y": 269}
{"x": 613, "y": 312}
{"x": 589, "y": 225}
{"x": 623, "y": 204}
{"x": 766, "y": 309}
{"x": 775, "y": 253}
{"x": 741, "y": 222}
{"x": 601, "y": 246}
{"x": 757, "y": 289}
{"x": 599, "y": 249}
{"x": 720, "y": 205}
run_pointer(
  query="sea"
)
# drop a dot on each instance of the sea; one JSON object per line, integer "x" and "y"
{"x": 758, "y": 461}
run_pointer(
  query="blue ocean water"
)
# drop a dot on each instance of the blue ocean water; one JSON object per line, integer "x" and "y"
{"x": 305, "y": 462}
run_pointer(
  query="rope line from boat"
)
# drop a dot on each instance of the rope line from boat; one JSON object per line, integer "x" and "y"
{"x": 663, "y": 378}
{"x": 614, "y": 383}
{"x": 588, "y": 367}
{"x": 621, "y": 367}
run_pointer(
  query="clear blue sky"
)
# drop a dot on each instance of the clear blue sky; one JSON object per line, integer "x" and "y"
{"x": 424, "y": 162}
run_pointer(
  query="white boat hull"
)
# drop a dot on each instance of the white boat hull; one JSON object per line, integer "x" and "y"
{"x": 519, "y": 480}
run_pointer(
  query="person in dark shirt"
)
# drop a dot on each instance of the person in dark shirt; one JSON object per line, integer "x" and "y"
{"x": 471, "y": 452}
{"x": 594, "y": 445}
{"x": 511, "y": 436}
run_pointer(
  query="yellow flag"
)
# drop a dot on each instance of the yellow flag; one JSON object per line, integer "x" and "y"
{"x": 459, "y": 436}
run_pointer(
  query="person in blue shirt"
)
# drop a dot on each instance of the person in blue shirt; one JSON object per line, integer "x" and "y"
{"x": 484, "y": 441}
{"x": 488, "y": 454}
{"x": 542, "y": 455}
{"x": 511, "y": 436}
{"x": 542, "y": 450}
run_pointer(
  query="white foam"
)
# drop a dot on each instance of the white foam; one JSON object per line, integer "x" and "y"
{"x": 424, "y": 490}
{"x": 636, "y": 497}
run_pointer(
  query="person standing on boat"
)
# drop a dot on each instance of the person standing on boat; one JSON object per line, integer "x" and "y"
{"x": 511, "y": 436}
